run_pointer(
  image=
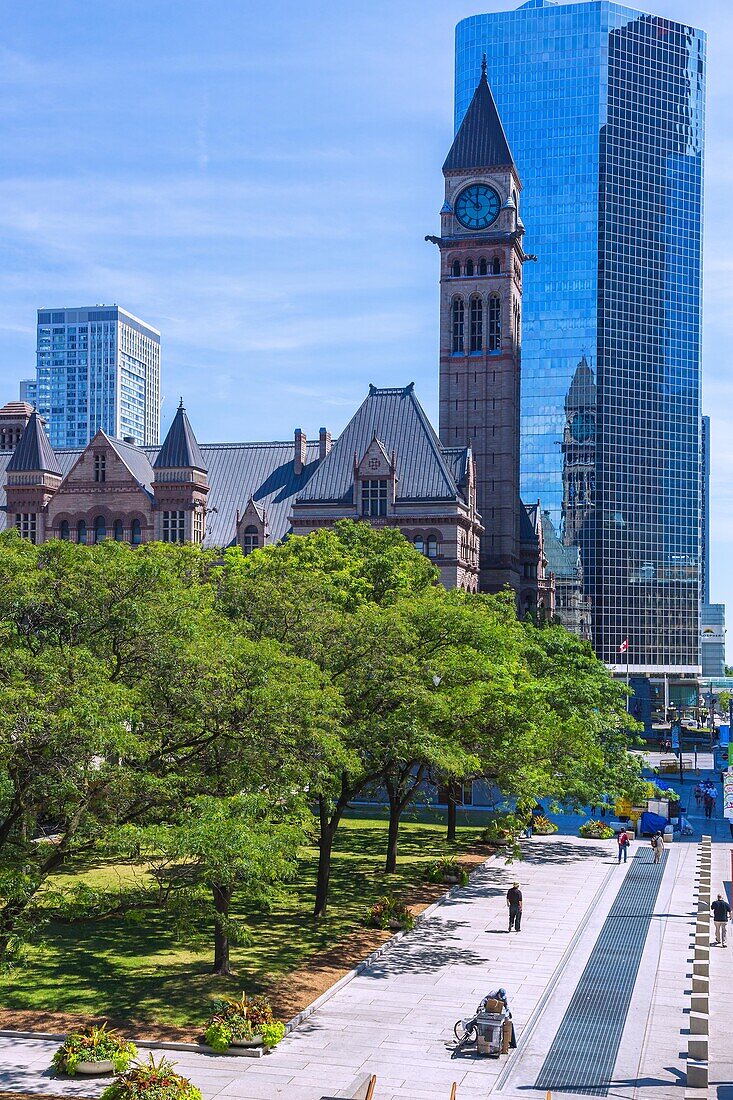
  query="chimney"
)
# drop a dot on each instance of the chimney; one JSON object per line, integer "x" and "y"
{"x": 324, "y": 443}
{"x": 129, "y": 439}
{"x": 300, "y": 442}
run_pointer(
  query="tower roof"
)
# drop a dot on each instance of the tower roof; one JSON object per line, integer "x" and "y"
{"x": 582, "y": 392}
{"x": 480, "y": 141}
{"x": 34, "y": 452}
{"x": 180, "y": 448}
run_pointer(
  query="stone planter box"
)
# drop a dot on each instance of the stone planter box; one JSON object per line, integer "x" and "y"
{"x": 92, "y": 1068}
{"x": 256, "y": 1042}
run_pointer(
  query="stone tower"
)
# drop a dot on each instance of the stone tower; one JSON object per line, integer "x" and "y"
{"x": 180, "y": 485}
{"x": 481, "y": 259}
{"x": 579, "y": 455}
{"x": 33, "y": 476}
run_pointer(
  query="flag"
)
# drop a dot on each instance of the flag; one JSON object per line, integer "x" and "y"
{"x": 624, "y": 646}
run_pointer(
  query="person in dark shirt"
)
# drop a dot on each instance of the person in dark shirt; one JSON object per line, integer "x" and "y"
{"x": 721, "y": 916}
{"x": 514, "y": 902}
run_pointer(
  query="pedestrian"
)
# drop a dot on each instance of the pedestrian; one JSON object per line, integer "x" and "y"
{"x": 698, "y": 795}
{"x": 658, "y": 846}
{"x": 623, "y": 842}
{"x": 708, "y": 802}
{"x": 721, "y": 916}
{"x": 514, "y": 903}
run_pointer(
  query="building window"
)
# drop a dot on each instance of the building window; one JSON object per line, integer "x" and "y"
{"x": 100, "y": 467}
{"x": 81, "y": 532}
{"x": 420, "y": 544}
{"x": 135, "y": 533}
{"x": 251, "y": 539}
{"x": 118, "y": 529}
{"x": 456, "y": 269}
{"x": 64, "y": 530}
{"x": 432, "y": 547}
{"x": 26, "y": 525}
{"x": 100, "y": 529}
{"x": 494, "y": 323}
{"x": 482, "y": 267}
{"x": 477, "y": 325}
{"x": 496, "y": 266}
{"x": 174, "y": 526}
{"x": 199, "y": 524}
{"x": 374, "y": 497}
{"x": 457, "y": 325}
{"x": 469, "y": 267}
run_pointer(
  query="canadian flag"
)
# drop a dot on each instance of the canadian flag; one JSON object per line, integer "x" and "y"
{"x": 624, "y": 646}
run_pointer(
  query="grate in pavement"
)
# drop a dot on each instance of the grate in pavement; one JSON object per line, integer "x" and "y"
{"x": 583, "y": 1053}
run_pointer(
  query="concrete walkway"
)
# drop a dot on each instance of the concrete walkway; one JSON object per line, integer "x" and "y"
{"x": 396, "y": 1018}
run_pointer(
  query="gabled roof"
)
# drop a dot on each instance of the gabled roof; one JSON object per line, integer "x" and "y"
{"x": 397, "y": 419}
{"x": 480, "y": 141}
{"x": 34, "y": 451}
{"x": 528, "y": 523}
{"x": 136, "y": 461}
{"x": 180, "y": 449}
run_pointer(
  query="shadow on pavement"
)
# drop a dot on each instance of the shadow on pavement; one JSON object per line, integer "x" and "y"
{"x": 428, "y": 949}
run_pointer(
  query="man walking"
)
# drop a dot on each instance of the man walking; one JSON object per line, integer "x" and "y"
{"x": 721, "y": 916}
{"x": 623, "y": 844}
{"x": 658, "y": 846}
{"x": 514, "y": 902}
{"x": 708, "y": 802}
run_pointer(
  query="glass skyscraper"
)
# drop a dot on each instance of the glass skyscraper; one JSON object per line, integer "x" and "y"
{"x": 604, "y": 111}
{"x": 97, "y": 367}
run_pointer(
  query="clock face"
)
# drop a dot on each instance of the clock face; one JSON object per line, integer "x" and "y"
{"x": 477, "y": 206}
{"x": 583, "y": 427}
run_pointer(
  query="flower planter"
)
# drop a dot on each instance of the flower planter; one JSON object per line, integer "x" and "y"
{"x": 91, "y": 1068}
{"x": 256, "y": 1042}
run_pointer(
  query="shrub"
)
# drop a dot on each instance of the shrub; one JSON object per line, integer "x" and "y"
{"x": 596, "y": 830}
{"x": 93, "y": 1044}
{"x": 500, "y": 830}
{"x": 388, "y": 912}
{"x": 448, "y": 869}
{"x": 543, "y": 826}
{"x": 151, "y": 1080}
{"x": 242, "y": 1020}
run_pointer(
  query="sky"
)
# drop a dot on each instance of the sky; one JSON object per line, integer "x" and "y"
{"x": 256, "y": 180}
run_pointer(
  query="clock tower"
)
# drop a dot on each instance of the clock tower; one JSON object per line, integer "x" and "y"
{"x": 481, "y": 259}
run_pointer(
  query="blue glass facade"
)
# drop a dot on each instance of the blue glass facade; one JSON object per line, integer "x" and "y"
{"x": 604, "y": 111}
{"x": 97, "y": 368}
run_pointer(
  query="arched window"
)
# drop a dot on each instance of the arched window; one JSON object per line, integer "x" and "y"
{"x": 482, "y": 267}
{"x": 135, "y": 533}
{"x": 420, "y": 544}
{"x": 100, "y": 529}
{"x": 469, "y": 267}
{"x": 81, "y": 532}
{"x": 64, "y": 530}
{"x": 457, "y": 326}
{"x": 477, "y": 324}
{"x": 494, "y": 322}
{"x": 432, "y": 547}
{"x": 496, "y": 266}
{"x": 251, "y": 539}
{"x": 119, "y": 531}
{"x": 456, "y": 269}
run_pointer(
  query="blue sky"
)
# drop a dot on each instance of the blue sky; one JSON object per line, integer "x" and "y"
{"x": 256, "y": 180}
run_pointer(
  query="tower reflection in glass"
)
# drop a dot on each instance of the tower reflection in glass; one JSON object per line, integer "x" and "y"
{"x": 604, "y": 112}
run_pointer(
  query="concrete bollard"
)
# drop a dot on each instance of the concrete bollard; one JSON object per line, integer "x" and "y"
{"x": 702, "y": 955}
{"x": 700, "y": 983}
{"x": 700, "y": 1002}
{"x": 697, "y": 1049}
{"x": 701, "y": 969}
{"x": 699, "y": 1023}
{"x": 702, "y": 939}
{"x": 706, "y": 839}
{"x": 697, "y": 1074}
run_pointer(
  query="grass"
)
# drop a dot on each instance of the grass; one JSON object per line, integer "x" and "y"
{"x": 140, "y": 971}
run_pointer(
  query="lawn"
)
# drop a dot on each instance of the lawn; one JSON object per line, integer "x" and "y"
{"x": 139, "y": 971}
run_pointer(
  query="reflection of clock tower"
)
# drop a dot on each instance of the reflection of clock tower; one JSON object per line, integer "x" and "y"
{"x": 578, "y": 454}
{"x": 480, "y": 326}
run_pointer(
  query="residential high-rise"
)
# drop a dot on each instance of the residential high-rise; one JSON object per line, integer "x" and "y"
{"x": 603, "y": 108}
{"x": 97, "y": 367}
{"x": 27, "y": 390}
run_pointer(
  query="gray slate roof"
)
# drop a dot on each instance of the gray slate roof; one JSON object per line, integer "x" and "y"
{"x": 179, "y": 448}
{"x": 34, "y": 451}
{"x": 480, "y": 141}
{"x": 424, "y": 470}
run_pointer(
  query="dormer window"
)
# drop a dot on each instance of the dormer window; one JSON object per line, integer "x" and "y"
{"x": 100, "y": 467}
{"x": 374, "y": 497}
{"x": 250, "y": 539}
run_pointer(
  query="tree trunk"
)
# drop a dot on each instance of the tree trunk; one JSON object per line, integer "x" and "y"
{"x": 395, "y": 813}
{"x": 451, "y": 835}
{"x": 222, "y": 899}
{"x": 325, "y": 848}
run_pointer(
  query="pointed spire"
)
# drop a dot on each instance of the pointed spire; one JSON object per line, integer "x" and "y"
{"x": 480, "y": 141}
{"x": 180, "y": 449}
{"x": 34, "y": 451}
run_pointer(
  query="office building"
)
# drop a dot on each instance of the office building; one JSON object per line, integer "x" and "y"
{"x": 97, "y": 367}
{"x": 603, "y": 108}
{"x": 27, "y": 391}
